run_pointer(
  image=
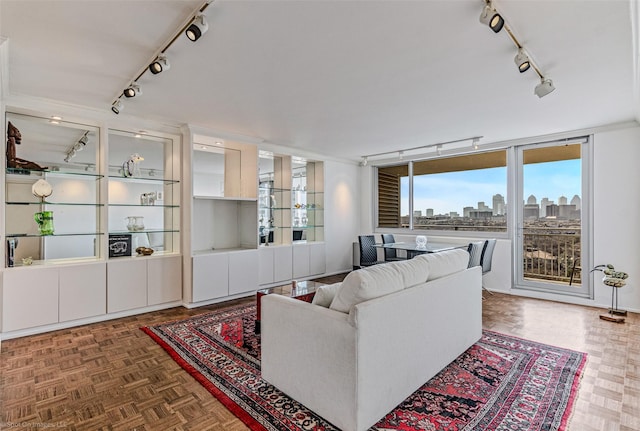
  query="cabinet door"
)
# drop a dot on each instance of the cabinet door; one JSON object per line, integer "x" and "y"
{"x": 266, "y": 265}
{"x": 243, "y": 271}
{"x": 83, "y": 291}
{"x": 126, "y": 284}
{"x": 283, "y": 263}
{"x": 30, "y": 298}
{"x": 317, "y": 258}
{"x": 300, "y": 260}
{"x": 210, "y": 276}
{"x": 164, "y": 280}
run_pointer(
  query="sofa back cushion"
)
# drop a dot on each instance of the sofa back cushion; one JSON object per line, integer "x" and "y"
{"x": 365, "y": 284}
{"x": 378, "y": 280}
{"x": 445, "y": 262}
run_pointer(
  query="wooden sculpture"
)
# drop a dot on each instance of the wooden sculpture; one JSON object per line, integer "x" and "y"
{"x": 14, "y": 138}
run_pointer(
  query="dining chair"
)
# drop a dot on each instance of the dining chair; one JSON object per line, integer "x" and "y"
{"x": 390, "y": 254}
{"x": 481, "y": 254}
{"x": 368, "y": 251}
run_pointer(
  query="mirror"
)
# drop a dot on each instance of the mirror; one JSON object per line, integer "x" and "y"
{"x": 216, "y": 171}
{"x": 52, "y": 144}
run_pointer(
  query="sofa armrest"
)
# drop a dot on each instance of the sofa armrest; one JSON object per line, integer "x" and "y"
{"x": 308, "y": 352}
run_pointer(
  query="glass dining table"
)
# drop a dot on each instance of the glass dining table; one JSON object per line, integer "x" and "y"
{"x": 414, "y": 249}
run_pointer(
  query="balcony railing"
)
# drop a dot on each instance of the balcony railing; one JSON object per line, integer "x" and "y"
{"x": 552, "y": 254}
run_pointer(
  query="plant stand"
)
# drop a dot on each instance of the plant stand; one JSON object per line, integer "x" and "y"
{"x": 614, "y": 314}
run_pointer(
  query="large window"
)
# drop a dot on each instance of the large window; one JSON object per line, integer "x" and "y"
{"x": 462, "y": 193}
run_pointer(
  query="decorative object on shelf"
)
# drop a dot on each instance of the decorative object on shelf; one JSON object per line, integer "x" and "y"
{"x": 131, "y": 167}
{"x": 26, "y": 261}
{"x": 41, "y": 189}
{"x": 421, "y": 242}
{"x": 14, "y": 137}
{"x": 119, "y": 245}
{"x": 144, "y": 251}
{"x": 265, "y": 233}
{"x": 12, "y": 244}
{"x": 615, "y": 279}
{"x": 45, "y": 222}
{"x": 135, "y": 223}
{"x": 148, "y": 198}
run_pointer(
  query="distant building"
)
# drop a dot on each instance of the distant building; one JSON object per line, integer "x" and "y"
{"x": 483, "y": 207}
{"x": 552, "y": 211}
{"x": 531, "y": 200}
{"x": 562, "y": 200}
{"x": 429, "y": 212}
{"x": 499, "y": 206}
{"x": 454, "y": 214}
{"x": 544, "y": 203}
{"x": 481, "y": 215}
{"x": 417, "y": 213}
{"x": 466, "y": 211}
{"x": 576, "y": 202}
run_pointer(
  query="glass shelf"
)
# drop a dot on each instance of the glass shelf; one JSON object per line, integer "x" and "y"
{"x": 125, "y": 232}
{"x": 142, "y": 180}
{"x": 39, "y": 173}
{"x": 36, "y": 235}
{"x": 144, "y": 206}
{"x": 56, "y": 203}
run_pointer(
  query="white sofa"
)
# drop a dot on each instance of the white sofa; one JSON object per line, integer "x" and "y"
{"x": 404, "y": 322}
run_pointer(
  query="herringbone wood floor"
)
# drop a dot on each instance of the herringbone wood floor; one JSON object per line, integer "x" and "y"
{"x": 111, "y": 376}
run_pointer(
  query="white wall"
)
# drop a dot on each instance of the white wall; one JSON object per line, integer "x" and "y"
{"x": 342, "y": 213}
{"x": 616, "y": 233}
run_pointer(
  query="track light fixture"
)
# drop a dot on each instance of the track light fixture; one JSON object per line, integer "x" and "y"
{"x": 522, "y": 61}
{"x": 492, "y": 18}
{"x": 545, "y": 87}
{"x": 194, "y": 29}
{"x": 117, "y": 106}
{"x": 77, "y": 147}
{"x": 197, "y": 28}
{"x": 438, "y": 147}
{"x": 160, "y": 64}
{"x": 132, "y": 91}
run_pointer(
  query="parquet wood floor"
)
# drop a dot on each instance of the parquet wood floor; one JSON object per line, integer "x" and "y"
{"x": 111, "y": 376}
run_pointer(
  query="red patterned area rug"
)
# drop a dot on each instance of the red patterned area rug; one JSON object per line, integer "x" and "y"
{"x": 500, "y": 383}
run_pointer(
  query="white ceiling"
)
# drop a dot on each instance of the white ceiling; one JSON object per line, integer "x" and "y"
{"x": 341, "y": 78}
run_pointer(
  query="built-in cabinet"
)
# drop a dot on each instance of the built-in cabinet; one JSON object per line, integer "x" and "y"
{"x": 78, "y": 201}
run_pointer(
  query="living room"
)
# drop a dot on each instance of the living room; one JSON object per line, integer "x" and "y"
{"x": 334, "y": 82}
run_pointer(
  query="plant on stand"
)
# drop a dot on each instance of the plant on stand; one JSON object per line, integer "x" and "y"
{"x": 615, "y": 279}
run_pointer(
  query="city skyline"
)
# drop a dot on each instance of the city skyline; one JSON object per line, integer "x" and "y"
{"x": 453, "y": 191}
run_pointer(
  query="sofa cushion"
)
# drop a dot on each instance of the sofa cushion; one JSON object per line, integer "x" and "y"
{"x": 445, "y": 262}
{"x": 325, "y": 294}
{"x": 365, "y": 284}
{"x": 412, "y": 271}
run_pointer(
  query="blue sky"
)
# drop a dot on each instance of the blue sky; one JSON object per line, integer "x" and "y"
{"x": 455, "y": 190}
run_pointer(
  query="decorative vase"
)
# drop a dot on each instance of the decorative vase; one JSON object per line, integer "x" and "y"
{"x": 45, "y": 222}
{"x": 421, "y": 242}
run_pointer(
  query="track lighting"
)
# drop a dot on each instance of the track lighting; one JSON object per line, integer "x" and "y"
{"x": 194, "y": 29}
{"x": 197, "y": 28}
{"x": 475, "y": 143}
{"x": 75, "y": 148}
{"x": 160, "y": 64}
{"x": 545, "y": 87}
{"x": 438, "y": 147}
{"x": 132, "y": 91}
{"x": 492, "y": 18}
{"x": 522, "y": 61}
{"x": 117, "y": 106}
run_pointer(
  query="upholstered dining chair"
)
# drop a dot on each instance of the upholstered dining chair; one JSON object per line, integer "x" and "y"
{"x": 390, "y": 254}
{"x": 368, "y": 251}
{"x": 481, "y": 254}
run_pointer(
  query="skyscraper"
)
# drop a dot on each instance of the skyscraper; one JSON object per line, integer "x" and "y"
{"x": 498, "y": 204}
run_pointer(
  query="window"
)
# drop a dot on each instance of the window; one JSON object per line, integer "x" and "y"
{"x": 462, "y": 193}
